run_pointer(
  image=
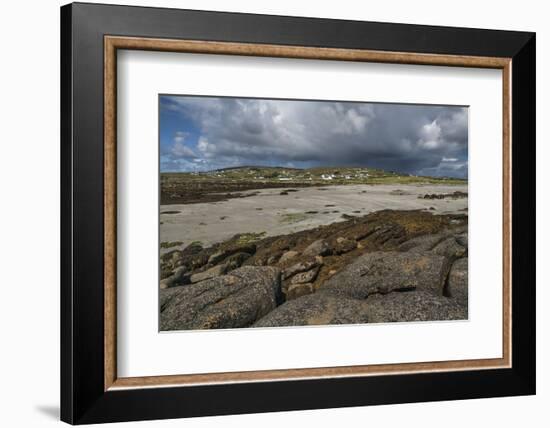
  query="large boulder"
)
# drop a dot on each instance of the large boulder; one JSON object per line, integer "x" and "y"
{"x": 192, "y": 257}
{"x": 304, "y": 277}
{"x": 316, "y": 309}
{"x": 287, "y": 256}
{"x": 209, "y": 273}
{"x": 344, "y": 245}
{"x": 166, "y": 295}
{"x": 383, "y": 272}
{"x": 450, "y": 248}
{"x": 170, "y": 261}
{"x": 293, "y": 291}
{"x": 229, "y": 301}
{"x": 417, "y": 305}
{"x": 303, "y": 266}
{"x": 318, "y": 248}
{"x": 458, "y": 281}
{"x": 178, "y": 277}
{"x": 236, "y": 260}
{"x": 422, "y": 243}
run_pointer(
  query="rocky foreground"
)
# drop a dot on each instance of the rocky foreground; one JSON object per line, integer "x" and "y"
{"x": 387, "y": 266}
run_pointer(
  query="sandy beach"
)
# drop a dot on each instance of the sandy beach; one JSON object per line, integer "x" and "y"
{"x": 270, "y": 212}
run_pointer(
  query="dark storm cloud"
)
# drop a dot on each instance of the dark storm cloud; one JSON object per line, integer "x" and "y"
{"x": 416, "y": 139}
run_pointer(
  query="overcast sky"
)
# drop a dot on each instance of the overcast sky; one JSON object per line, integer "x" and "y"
{"x": 205, "y": 133}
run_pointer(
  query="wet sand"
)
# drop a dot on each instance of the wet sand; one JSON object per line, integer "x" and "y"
{"x": 275, "y": 214}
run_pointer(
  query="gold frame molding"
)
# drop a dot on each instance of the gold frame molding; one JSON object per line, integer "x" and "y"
{"x": 113, "y": 43}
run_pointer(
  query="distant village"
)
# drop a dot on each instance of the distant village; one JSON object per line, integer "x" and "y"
{"x": 270, "y": 175}
{"x": 289, "y": 174}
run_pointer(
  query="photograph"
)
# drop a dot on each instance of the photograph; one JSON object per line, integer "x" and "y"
{"x": 277, "y": 210}
{"x": 288, "y": 212}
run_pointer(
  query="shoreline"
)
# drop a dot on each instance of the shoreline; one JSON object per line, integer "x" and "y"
{"x": 284, "y": 210}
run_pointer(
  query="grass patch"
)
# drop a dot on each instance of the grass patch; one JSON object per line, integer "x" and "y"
{"x": 245, "y": 238}
{"x": 290, "y": 218}
{"x": 170, "y": 244}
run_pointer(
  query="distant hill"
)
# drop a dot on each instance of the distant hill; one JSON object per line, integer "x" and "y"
{"x": 314, "y": 176}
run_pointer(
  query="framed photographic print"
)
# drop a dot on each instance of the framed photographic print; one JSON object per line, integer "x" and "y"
{"x": 266, "y": 213}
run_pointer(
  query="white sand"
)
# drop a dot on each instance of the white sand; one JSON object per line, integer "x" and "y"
{"x": 202, "y": 222}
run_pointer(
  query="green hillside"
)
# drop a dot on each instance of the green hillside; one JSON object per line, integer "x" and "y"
{"x": 306, "y": 177}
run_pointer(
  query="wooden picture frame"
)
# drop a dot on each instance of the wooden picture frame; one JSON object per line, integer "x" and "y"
{"x": 91, "y": 390}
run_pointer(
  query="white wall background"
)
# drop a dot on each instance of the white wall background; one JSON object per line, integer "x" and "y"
{"x": 29, "y": 215}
